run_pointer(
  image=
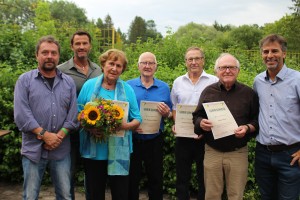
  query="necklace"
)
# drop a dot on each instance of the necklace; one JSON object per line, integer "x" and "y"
{"x": 82, "y": 67}
{"x": 108, "y": 86}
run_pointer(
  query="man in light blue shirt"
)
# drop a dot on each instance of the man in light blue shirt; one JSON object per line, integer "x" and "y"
{"x": 277, "y": 162}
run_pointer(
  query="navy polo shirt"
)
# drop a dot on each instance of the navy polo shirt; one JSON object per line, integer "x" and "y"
{"x": 159, "y": 92}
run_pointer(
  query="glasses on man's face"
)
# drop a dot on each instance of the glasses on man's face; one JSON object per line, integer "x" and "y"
{"x": 147, "y": 63}
{"x": 197, "y": 59}
{"x": 224, "y": 68}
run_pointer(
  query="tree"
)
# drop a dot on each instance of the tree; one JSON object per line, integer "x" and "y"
{"x": 246, "y": 36}
{"x": 197, "y": 32}
{"x": 108, "y": 23}
{"x": 137, "y": 30}
{"x": 107, "y": 32}
{"x": 122, "y": 35}
{"x": 18, "y": 12}
{"x": 43, "y": 21}
{"x": 100, "y": 23}
{"x": 296, "y": 7}
{"x": 289, "y": 27}
{"x": 64, "y": 11}
{"x": 151, "y": 31}
{"x": 220, "y": 27}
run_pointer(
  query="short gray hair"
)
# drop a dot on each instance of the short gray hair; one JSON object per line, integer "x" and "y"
{"x": 221, "y": 56}
{"x": 147, "y": 53}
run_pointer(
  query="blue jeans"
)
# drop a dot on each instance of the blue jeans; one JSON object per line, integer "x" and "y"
{"x": 34, "y": 172}
{"x": 276, "y": 178}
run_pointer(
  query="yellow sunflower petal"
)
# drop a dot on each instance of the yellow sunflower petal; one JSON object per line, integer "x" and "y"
{"x": 92, "y": 115}
{"x": 118, "y": 112}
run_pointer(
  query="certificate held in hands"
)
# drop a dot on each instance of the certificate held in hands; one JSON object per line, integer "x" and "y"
{"x": 151, "y": 117}
{"x": 184, "y": 126}
{"x": 221, "y": 118}
{"x": 125, "y": 106}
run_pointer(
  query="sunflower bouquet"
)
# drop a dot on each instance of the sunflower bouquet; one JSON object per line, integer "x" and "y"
{"x": 101, "y": 118}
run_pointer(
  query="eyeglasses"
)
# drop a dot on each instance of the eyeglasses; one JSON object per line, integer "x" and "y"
{"x": 147, "y": 63}
{"x": 224, "y": 68}
{"x": 197, "y": 59}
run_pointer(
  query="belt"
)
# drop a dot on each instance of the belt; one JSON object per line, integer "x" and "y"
{"x": 279, "y": 147}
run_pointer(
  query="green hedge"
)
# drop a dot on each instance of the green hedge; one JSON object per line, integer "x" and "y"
{"x": 170, "y": 56}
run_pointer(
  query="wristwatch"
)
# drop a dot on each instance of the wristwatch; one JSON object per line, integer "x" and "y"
{"x": 41, "y": 134}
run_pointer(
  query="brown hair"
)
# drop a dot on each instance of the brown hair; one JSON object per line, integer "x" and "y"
{"x": 81, "y": 32}
{"x": 114, "y": 55}
{"x": 274, "y": 38}
{"x": 49, "y": 39}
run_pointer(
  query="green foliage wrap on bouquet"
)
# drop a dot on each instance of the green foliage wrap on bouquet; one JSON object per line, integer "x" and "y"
{"x": 101, "y": 118}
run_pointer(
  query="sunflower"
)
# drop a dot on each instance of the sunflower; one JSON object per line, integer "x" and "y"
{"x": 92, "y": 115}
{"x": 118, "y": 112}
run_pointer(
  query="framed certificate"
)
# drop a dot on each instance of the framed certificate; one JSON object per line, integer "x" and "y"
{"x": 125, "y": 106}
{"x": 221, "y": 118}
{"x": 151, "y": 117}
{"x": 184, "y": 126}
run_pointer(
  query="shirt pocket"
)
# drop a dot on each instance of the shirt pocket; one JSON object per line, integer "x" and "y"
{"x": 292, "y": 103}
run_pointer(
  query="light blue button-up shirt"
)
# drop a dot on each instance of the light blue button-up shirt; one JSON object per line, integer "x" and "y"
{"x": 279, "y": 113}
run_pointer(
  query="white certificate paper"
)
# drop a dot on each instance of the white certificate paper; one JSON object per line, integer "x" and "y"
{"x": 184, "y": 126}
{"x": 151, "y": 117}
{"x": 125, "y": 106}
{"x": 221, "y": 118}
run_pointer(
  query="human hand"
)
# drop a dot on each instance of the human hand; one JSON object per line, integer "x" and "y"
{"x": 240, "y": 131}
{"x": 52, "y": 140}
{"x": 97, "y": 132}
{"x": 139, "y": 130}
{"x": 173, "y": 130}
{"x": 206, "y": 125}
{"x": 296, "y": 157}
{"x": 48, "y": 147}
{"x": 199, "y": 137}
{"x": 163, "y": 109}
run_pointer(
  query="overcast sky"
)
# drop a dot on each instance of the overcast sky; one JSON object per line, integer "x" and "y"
{"x": 176, "y": 13}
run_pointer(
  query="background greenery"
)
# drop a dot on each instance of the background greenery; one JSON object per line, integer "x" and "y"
{"x": 26, "y": 21}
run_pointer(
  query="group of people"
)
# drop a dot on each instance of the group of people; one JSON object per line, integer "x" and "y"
{"x": 48, "y": 99}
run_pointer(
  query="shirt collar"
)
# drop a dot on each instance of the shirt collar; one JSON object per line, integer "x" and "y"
{"x": 281, "y": 74}
{"x": 139, "y": 83}
{"x": 221, "y": 86}
{"x": 203, "y": 74}
{"x": 72, "y": 64}
{"x": 37, "y": 73}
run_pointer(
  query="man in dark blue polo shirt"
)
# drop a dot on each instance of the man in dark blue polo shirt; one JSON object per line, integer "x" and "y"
{"x": 147, "y": 148}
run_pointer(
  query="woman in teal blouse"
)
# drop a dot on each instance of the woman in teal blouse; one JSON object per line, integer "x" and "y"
{"x": 109, "y": 159}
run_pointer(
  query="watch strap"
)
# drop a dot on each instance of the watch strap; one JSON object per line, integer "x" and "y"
{"x": 42, "y": 132}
